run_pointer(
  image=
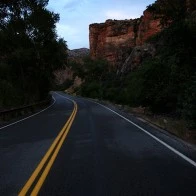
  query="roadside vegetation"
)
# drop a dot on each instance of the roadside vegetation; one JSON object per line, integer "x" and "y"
{"x": 164, "y": 85}
{"x": 30, "y": 51}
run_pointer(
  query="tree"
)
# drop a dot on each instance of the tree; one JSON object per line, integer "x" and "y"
{"x": 30, "y": 48}
{"x": 169, "y": 10}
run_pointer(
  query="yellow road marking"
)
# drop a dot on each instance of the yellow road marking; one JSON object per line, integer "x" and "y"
{"x": 65, "y": 129}
{"x": 50, "y": 163}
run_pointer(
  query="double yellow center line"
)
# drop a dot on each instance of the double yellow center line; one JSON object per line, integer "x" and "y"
{"x": 47, "y": 161}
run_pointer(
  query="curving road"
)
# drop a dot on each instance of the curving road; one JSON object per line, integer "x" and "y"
{"x": 77, "y": 147}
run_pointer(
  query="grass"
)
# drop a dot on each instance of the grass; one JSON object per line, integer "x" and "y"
{"x": 173, "y": 125}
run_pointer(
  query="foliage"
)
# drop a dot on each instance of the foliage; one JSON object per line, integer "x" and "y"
{"x": 94, "y": 73}
{"x": 165, "y": 84}
{"x": 30, "y": 50}
{"x": 61, "y": 87}
{"x": 169, "y": 10}
{"x": 189, "y": 103}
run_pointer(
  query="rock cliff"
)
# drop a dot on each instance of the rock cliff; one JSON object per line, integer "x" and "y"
{"x": 78, "y": 53}
{"x": 115, "y": 39}
{"x": 63, "y": 75}
{"x": 136, "y": 57}
{"x": 148, "y": 27}
{"x": 112, "y": 39}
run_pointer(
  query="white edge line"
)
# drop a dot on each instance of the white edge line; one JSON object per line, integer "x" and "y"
{"x": 65, "y": 97}
{"x": 29, "y": 116}
{"x": 145, "y": 131}
{"x": 154, "y": 137}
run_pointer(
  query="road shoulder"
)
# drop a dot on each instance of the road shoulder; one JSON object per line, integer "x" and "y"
{"x": 184, "y": 147}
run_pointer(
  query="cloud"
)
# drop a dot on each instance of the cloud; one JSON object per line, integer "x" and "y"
{"x": 73, "y": 36}
{"x": 76, "y": 15}
{"x": 71, "y": 5}
{"x": 118, "y": 14}
{"x": 65, "y": 30}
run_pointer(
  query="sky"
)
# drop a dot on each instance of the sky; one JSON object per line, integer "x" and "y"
{"x": 77, "y": 15}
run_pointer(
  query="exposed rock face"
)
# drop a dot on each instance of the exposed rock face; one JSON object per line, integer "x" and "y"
{"x": 81, "y": 52}
{"x": 115, "y": 39}
{"x": 62, "y": 75}
{"x": 78, "y": 54}
{"x": 137, "y": 56}
{"x": 112, "y": 39}
{"x": 77, "y": 83}
{"x": 148, "y": 27}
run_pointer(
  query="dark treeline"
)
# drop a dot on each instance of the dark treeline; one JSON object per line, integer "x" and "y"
{"x": 29, "y": 51}
{"x": 166, "y": 84}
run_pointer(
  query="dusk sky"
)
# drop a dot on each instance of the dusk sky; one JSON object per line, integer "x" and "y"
{"x": 76, "y": 15}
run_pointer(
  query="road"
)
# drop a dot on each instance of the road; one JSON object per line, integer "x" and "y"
{"x": 77, "y": 147}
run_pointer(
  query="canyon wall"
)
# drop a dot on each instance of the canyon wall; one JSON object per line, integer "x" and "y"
{"x": 115, "y": 39}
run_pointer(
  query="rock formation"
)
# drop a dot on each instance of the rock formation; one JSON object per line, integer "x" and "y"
{"x": 112, "y": 39}
{"x": 81, "y": 52}
{"x": 62, "y": 75}
{"x": 136, "y": 57}
{"x": 115, "y": 39}
{"x": 148, "y": 27}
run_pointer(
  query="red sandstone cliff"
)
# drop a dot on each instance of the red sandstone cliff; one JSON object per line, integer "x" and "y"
{"x": 114, "y": 39}
{"x": 111, "y": 39}
{"x": 148, "y": 27}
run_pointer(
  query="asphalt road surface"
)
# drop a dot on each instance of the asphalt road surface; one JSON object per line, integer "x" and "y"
{"x": 80, "y": 148}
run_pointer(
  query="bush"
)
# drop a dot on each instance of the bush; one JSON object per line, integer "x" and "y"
{"x": 189, "y": 103}
{"x": 65, "y": 85}
{"x": 92, "y": 90}
{"x": 30, "y": 51}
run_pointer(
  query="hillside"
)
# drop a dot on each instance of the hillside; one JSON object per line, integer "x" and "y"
{"x": 147, "y": 62}
{"x": 115, "y": 39}
{"x": 68, "y": 77}
{"x": 81, "y": 52}
{"x": 30, "y": 51}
